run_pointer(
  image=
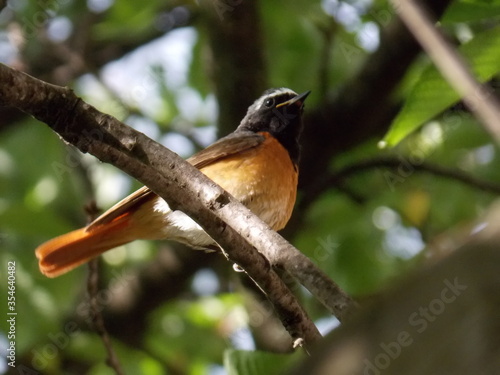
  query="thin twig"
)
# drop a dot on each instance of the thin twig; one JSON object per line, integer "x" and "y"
{"x": 479, "y": 98}
{"x": 438, "y": 170}
{"x": 391, "y": 162}
{"x": 96, "y": 310}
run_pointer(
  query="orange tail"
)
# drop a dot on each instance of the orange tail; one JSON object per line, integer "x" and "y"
{"x": 63, "y": 253}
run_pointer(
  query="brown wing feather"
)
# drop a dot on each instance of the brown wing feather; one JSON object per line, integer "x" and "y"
{"x": 127, "y": 204}
{"x": 229, "y": 145}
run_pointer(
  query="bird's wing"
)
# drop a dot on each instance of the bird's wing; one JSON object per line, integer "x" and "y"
{"x": 126, "y": 205}
{"x": 232, "y": 144}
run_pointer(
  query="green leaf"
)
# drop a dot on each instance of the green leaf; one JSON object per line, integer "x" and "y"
{"x": 432, "y": 94}
{"x": 241, "y": 362}
{"x": 463, "y": 11}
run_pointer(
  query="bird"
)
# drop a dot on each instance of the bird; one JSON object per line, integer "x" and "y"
{"x": 257, "y": 164}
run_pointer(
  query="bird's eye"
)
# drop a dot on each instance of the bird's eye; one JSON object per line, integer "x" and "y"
{"x": 269, "y": 102}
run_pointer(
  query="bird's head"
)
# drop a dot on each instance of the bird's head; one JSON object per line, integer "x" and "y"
{"x": 278, "y": 112}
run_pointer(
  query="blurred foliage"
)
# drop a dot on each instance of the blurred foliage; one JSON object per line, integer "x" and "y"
{"x": 239, "y": 362}
{"x": 365, "y": 236}
{"x": 431, "y": 94}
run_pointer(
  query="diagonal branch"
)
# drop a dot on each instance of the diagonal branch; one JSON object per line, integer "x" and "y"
{"x": 234, "y": 227}
{"x": 479, "y": 98}
{"x": 362, "y": 108}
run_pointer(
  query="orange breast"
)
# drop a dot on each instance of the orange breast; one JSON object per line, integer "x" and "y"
{"x": 263, "y": 178}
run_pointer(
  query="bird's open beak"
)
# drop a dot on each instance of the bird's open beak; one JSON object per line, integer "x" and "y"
{"x": 297, "y": 100}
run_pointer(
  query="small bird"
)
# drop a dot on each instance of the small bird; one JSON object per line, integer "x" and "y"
{"x": 257, "y": 164}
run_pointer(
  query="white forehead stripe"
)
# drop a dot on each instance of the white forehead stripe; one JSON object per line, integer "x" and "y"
{"x": 283, "y": 90}
{"x": 275, "y": 93}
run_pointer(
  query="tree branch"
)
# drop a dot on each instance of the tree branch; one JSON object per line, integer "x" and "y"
{"x": 96, "y": 316}
{"x": 395, "y": 163}
{"x": 55, "y": 62}
{"x": 236, "y": 229}
{"x": 362, "y": 108}
{"x": 236, "y": 28}
{"x": 143, "y": 290}
{"x": 442, "y": 319}
{"x": 479, "y": 98}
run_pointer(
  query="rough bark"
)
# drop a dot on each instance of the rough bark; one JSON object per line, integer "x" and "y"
{"x": 183, "y": 187}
